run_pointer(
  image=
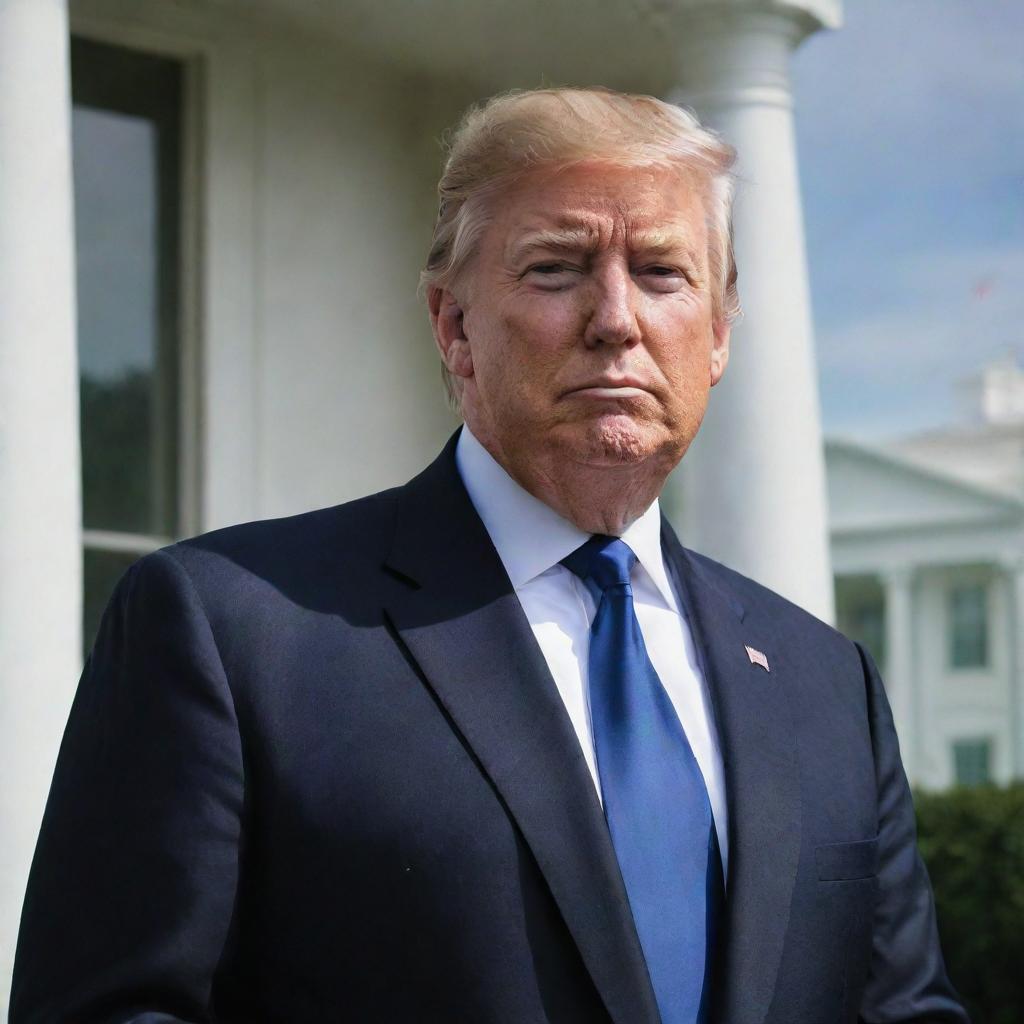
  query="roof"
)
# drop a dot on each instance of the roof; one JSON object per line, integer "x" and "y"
{"x": 872, "y": 489}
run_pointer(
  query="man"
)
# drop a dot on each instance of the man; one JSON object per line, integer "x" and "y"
{"x": 493, "y": 747}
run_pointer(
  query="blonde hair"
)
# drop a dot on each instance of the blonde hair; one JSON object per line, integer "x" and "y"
{"x": 514, "y": 132}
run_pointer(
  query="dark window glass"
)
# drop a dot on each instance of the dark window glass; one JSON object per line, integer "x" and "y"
{"x": 860, "y": 613}
{"x": 972, "y": 762}
{"x": 968, "y": 626}
{"x": 126, "y": 143}
{"x": 126, "y": 137}
{"x": 102, "y": 569}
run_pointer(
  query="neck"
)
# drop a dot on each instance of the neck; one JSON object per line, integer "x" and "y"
{"x": 597, "y": 498}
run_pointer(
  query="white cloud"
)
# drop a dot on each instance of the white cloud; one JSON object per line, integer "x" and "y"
{"x": 900, "y": 365}
{"x": 910, "y": 124}
{"x": 914, "y": 89}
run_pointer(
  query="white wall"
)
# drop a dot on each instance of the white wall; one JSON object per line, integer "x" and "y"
{"x": 962, "y": 704}
{"x": 348, "y": 393}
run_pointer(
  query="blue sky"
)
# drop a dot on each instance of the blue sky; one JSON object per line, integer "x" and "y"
{"x": 910, "y": 126}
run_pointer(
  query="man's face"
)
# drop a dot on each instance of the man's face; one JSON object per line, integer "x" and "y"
{"x": 583, "y": 329}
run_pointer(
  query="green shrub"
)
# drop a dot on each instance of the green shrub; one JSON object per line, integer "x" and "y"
{"x": 972, "y": 841}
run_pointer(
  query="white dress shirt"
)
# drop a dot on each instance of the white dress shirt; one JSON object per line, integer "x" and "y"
{"x": 531, "y": 540}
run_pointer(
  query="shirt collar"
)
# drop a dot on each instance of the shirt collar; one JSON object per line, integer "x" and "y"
{"x": 531, "y": 537}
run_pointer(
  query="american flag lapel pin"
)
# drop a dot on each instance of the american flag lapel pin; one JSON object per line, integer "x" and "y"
{"x": 757, "y": 658}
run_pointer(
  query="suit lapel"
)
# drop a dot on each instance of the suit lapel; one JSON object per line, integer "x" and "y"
{"x": 755, "y": 732}
{"x": 462, "y": 623}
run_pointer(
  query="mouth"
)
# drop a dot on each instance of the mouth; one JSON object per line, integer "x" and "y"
{"x": 607, "y": 388}
{"x": 618, "y": 392}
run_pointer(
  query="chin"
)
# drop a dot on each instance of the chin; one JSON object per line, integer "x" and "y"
{"x": 615, "y": 441}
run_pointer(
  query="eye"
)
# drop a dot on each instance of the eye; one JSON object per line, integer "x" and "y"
{"x": 662, "y": 277}
{"x": 550, "y": 275}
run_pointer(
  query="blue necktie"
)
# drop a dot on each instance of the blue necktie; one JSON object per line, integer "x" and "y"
{"x": 655, "y": 800}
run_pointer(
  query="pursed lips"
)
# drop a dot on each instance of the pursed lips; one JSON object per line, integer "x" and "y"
{"x": 609, "y": 387}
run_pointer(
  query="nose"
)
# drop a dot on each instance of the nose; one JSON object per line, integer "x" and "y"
{"x": 613, "y": 319}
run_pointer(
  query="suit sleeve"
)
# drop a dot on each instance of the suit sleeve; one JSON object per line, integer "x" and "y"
{"x": 132, "y": 888}
{"x": 907, "y": 983}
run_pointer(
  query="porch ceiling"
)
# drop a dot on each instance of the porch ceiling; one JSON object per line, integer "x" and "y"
{"x": 621, "y": 43}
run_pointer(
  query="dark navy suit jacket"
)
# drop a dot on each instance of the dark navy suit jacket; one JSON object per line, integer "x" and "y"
{"x": 317, "y": 770}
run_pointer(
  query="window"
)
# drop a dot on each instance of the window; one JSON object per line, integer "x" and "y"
{"x": 972, "y": 762}
{"x": 126, "y": 137}
{"x": 860, "y": 613}
{"x": 968, "y": 626}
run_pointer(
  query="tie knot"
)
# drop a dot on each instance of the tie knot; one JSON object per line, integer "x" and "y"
{"x": 607, "y": 561}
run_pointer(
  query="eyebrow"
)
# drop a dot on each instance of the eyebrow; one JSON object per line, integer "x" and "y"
{"x": 584, "y": 239}
{"x": 580, "y": 239}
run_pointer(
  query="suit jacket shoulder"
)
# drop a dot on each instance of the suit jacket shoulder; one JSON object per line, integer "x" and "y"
{"x": 344, "y": 537}
{"x": 813, "y": 653}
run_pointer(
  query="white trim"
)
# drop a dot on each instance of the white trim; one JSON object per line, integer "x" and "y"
{"x": 230, "y": 325}
{"x": 191, "y": 443}
{"x": 132, "y": 26}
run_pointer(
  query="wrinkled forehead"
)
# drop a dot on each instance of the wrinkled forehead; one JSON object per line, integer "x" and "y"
{"x": 594, "y": 205}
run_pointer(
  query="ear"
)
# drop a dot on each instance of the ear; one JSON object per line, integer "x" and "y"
{"x": 446, "y": 321}
{"x": 720, "y": 349}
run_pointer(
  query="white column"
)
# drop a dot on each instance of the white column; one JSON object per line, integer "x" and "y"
{"x": 898, "y": 670}
{"x": 40, "y": 509}
{"x": 753, "y": 485}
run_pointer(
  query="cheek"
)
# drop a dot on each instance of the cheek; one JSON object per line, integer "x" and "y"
{"x": 528, "y": 345}
{"x": 547, "y": 322}
{"x": 683, "y": 354}
{"x": 685, "y": 326}
{"x": 690, "y": 363}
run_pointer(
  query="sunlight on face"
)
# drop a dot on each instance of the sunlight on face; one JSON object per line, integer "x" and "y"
{"x": 588, "y": 318}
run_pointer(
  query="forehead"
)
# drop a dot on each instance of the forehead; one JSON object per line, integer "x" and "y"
{"x": 597, "y": 204}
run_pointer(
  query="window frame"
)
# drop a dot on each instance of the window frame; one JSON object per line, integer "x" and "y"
{"x": 962, "y": 745}
{"x": 983, "y": 585}
{"x": 855, "y": 594}
{"x": 187, "y": 268}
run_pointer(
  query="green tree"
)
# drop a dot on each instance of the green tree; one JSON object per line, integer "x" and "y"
{"x": 972, "y": 841}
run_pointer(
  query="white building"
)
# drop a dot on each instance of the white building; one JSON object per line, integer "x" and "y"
{"x": 928, "y": 551}
{"x": 241, "y": 194}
